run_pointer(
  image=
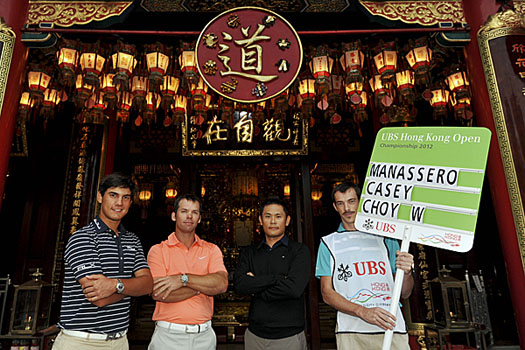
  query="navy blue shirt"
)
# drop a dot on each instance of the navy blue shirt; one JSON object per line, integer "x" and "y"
{"x": 281, "y": 274}
{"x": 96, "y": 249}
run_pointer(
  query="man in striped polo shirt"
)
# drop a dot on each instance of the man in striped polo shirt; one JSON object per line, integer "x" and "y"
{"x": 104, "y": 267}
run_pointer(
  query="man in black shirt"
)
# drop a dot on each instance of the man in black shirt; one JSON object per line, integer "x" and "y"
{"x": 275, "y": 272}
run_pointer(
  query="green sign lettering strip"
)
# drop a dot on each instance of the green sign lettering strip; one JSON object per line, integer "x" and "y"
{"x": 452, "y": 198}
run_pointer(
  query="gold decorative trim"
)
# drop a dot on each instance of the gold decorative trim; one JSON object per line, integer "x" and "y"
{"x": 426, "y": 13}
{"x": 7, "y": 39}
{"x": 519, "y": 6}
{"x": 485, "y": 34}
{"x": 506, "y": 19}
{"x": 186, "y": 151}
{"x": 67, "y": 14}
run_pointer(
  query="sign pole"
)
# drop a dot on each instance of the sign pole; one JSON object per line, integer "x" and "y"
{"x": 398, "y": 283}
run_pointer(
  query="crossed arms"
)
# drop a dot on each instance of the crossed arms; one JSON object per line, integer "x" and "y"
{"x": 101, "y": 291}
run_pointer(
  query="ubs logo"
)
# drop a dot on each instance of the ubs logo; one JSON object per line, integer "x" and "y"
{"x": 385, "y": 227}
{"x": 344, "y": 273}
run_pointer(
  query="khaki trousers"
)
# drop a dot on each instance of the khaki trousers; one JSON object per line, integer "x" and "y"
{"x": 358, "y": 341}
{"x": 164, "y": 339}
{"x": 295, "y": 342}
{"x": 67, "y": 342}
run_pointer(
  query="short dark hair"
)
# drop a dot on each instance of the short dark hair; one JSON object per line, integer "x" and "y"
{"x": 345, "y": 186}
{"x": 273, "y": 200}
{"x": 117, "y": 180}
{"x": 189, "y": 197}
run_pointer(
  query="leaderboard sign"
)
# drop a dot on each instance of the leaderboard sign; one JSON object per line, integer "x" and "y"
{"x": 429, "y": 179}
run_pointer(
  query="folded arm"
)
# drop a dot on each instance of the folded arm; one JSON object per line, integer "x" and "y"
{"x": 101, "y": 290}
{"x": 170, "y": 289}
{"x": 292, "y": 284}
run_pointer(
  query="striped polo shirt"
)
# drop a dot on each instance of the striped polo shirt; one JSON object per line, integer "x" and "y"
{"x": 96, "y": 249}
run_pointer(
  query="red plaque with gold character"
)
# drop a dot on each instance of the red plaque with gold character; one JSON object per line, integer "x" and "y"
{"x": 249, "y": 54}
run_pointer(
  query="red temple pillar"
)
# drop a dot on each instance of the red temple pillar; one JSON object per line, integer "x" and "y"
{"x": 14, "y": 13}
{"x": 476, "y": 13}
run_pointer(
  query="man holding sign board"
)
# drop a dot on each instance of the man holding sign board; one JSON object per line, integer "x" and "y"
{"x": 357, "y": 278}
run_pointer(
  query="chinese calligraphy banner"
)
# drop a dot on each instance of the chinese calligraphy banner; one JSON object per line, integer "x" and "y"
{"x": 244, "y": 134}
{"x": 7, "y": 45}
{"x": 426, "y": 178}
{"x": 249, "y": 54}
{"x": 503, "y": 54}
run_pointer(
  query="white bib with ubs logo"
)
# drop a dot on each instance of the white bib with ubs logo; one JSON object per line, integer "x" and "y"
{"x": 362, "y": 274}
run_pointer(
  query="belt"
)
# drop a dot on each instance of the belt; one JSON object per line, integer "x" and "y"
{"x": 186, "y": 328}
{"x": 97, "y": 336}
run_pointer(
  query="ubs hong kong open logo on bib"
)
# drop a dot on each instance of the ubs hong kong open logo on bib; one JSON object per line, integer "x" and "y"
{"x": 249, "y": 54}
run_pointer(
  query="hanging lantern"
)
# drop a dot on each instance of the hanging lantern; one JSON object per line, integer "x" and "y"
{"x": 317, "y": 192}
{"x": 158, "y": 61}
{"x": 321, "y": 65}
{"x": 92, "y": 64}
{"x": 139, "y": 89}
{"x": 38, "y": 82}
{"x": 286, "y": 190}
{"x": 109, "y": 89}
{"x": 179, "y": 108}
{"x": 419, "y": 59}
{"x": 97, "y": 106}
{"x": 307, "y": 96}
{"x": 51, "y": 98}
{"x": 462, "y": 110}
{"x": 188, "y": 65}
{"x": 353, "y": 92}
{"x": 124, "y": 106}
{"x": 26, "y": 103}
{"x": 198, "y": 91}
{"x": 67, "y": 57}
{"x": 335, "y": 89}
{"x": 405, "y": 85}
{"x": 381, "y": 91}
{"x": 360, "y": 114}
{"x": 170, "y": 192}
{"x": 458, "y": 83}
{"x": 152, "y": 103}
{"x": 385, "y": 60}
{"x": 352, "y": 62}
{"x": 169, "y": 88}
{"x": 124, "y": 62}
{"x": 439, "y": 102}
{"x": 84, "y": 90}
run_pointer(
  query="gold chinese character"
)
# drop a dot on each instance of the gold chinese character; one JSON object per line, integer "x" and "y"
{"x": 273, "y": 130}
{"x": 76, "y": 212}
{"x": 520, "y": 62}
{"x": 78, "y": 194}
{"x": 78, "y": 186}
{"x": 82, "y": 153}
{"x": 74, "y": 220}
{"x": 215, "y": 131}
{"x": 80, "y": 177}
{"x": 244, "y": 129}
{"x": 251, "y": 55}
{"x": 76, "y": 203}
{"x": 81, "y": 169}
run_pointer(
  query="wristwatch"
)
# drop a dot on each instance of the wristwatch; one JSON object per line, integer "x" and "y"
{"x": 120, "y": 286}
{"x": 184, "y": 279}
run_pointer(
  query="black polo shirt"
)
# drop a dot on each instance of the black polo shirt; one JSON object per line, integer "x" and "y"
{"x": 96, "y": 249}
{"x": 281, "y": 274}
